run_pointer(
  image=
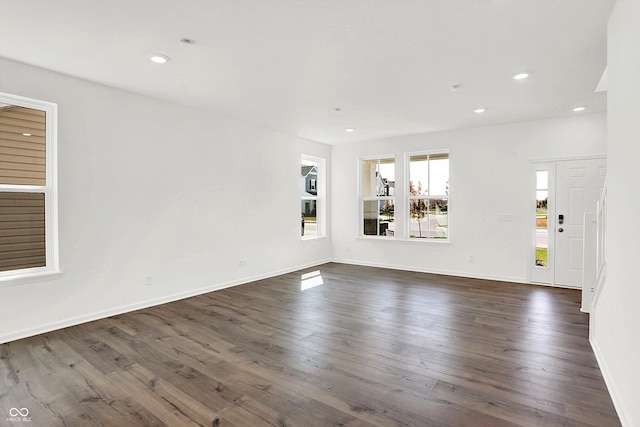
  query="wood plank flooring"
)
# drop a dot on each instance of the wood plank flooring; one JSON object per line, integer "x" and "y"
{"x": 367, "y": 347}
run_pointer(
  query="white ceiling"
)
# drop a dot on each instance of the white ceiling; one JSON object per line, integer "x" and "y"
{"x": 288, "y": 64}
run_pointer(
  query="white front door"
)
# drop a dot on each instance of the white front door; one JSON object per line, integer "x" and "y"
{"x": 573, "y": 189}
{"x": 578, "y": 187}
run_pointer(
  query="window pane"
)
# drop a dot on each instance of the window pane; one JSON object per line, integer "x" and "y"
{"x": 428, "y": 218}
{"x": 387, "y": 211}
{"x": 439, "y": 213}
{"x": 429, "y": 174}
{"x": 309, "y": 218}
{"x": 378, "y": 218}
{"x": 22, "y": 145}
{"x": 542, "y": 180}
{"x": 439, "y": 176}
{"x": 309, "y": 178}
{"x": 22, "y": 231}
{"x": 378, "y": 177}
{"x": 418, "y": 175}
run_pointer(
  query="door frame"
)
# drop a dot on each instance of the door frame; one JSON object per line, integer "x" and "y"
{"x": 536, "y": 275}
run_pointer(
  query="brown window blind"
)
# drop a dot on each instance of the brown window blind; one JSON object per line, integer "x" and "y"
{"x": 22, "y": 231}
{"x": 22, "y": 162}
{"x": 22, "y": 146}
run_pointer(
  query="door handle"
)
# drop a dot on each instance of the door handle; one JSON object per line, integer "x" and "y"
{"x": 560, "y": 230}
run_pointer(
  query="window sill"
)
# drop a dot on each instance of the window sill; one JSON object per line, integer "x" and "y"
{"x": 380, "y": 238}
{"x": 421, "y": 241}
{"x": 418, "y": 241}
{"x": 304, "y": 239}
{"x": 28, "y": 277}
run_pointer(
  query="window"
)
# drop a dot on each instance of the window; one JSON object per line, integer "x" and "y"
{"x": 28, "y": 228}
{"x": 377, "y": 196}
{"x": 312, "y": 190}
{"x": 428, "y": 195}
{"x": 542, "y": 230}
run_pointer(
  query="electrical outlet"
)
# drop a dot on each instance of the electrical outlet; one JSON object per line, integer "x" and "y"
{"x": 242, "y": 263}
{"x": 147, "y": 281}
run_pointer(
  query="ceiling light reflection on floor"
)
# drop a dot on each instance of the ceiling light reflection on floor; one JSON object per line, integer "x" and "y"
{"x": 310, "y": 280}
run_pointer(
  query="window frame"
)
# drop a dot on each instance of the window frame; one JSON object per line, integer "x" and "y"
{"x": 50, "y": 190}
{"x": 409, "y": 197}
{"x": 362, "y": 198}
{"x": 320, "y": 198}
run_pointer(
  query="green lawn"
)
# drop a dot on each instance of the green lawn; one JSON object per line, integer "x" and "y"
{"x": 541, "y": 256}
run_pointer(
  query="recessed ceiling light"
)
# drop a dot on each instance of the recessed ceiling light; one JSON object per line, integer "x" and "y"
{"x": 479, "y": 110}
{"x": 521, "y": 76}
{"x": 349, "y": 129}
{"x": 578, "y": 109}
{"x": 26, "y": 134}
{"x": 159, "y": 58}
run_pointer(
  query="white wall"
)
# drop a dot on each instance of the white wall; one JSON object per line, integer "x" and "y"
{"x": 615, "y": 319}
{"x": 148, "y": 188}
{"x": 490, "y": 176}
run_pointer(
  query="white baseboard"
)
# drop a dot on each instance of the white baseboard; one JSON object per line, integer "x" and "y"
{"x": 89, "y": 317}
{"x": 432, "y": 271}
{"x": 608, "y": 380}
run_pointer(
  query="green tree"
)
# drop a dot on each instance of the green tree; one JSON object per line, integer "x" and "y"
{"x": 388, "y": 209}
{"x": 418, "y": 208}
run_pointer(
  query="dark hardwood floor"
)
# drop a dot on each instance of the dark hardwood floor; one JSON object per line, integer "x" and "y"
{"x": 366, "y": 347}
